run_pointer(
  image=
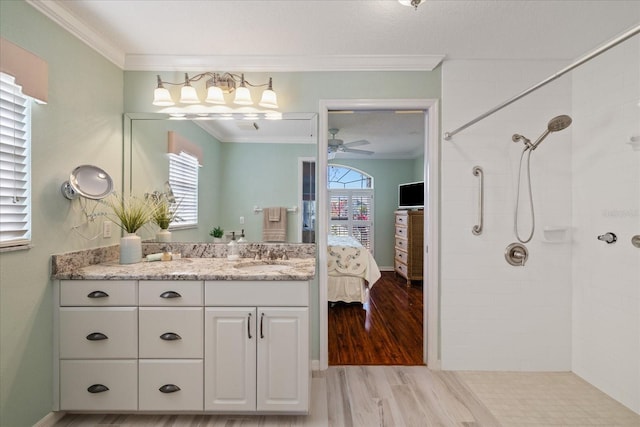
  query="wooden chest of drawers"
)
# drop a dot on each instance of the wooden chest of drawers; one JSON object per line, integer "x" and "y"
{"x": 409, "y": 248}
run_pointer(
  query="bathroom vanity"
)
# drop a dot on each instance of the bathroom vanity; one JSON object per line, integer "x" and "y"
{"x": 192, "y": 335}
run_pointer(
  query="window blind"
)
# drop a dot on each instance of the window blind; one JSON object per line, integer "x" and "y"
{"x": 183, "y": 177}
{"x": 15, "y": 164}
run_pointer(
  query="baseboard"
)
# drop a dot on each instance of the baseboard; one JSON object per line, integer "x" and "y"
{"x": 386, "y": 268}
{"x": 315, "y": 365}
{"x": 50, "y": 419}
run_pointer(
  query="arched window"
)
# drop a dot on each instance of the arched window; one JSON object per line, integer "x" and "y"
{"x": 351, "y": 204}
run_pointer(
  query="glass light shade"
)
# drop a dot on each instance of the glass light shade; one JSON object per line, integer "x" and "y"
{"x": 411, "y": 3}
{"x": 243, "y": 97}
{"x": 162, "y": 97}
{"x": 269, "y": 99}
{"x": 214, "y": 95}
{"x": 188, "y": 95}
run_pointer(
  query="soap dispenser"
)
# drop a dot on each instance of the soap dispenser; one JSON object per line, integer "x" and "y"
{"x": 233, "y": 251}
{"x": 242, "y": 239}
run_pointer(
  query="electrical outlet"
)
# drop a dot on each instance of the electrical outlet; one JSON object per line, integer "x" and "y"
{"x": 241, "y": 220}
{"x": 106, "y": 229}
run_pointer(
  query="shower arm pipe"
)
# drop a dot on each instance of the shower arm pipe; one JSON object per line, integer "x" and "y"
{"x": 624, "y": 36}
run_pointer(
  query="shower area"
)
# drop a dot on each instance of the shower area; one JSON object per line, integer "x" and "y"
{"x": 574, "y": 304}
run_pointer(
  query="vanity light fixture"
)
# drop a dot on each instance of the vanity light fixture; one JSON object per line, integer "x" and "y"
{"x": 217, "y": 84}
{"x": 411, "y": 3}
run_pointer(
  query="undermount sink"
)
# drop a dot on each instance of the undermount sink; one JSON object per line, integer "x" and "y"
{"x": 263, "y": 267}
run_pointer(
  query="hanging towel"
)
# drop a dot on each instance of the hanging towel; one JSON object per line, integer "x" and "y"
{"x": 274, "y": 230}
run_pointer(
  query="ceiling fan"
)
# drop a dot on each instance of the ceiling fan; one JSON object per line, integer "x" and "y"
{"x": 339, "y": 146}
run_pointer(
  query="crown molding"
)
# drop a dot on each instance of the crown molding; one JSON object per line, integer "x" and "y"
{"x": 249, "y": 63}
{"x": 283, "y": 63}
{"x": 61, "y": 16}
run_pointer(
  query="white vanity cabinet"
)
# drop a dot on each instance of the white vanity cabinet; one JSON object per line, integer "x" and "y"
{"x": 182, "y": 346}
{"x": 257, "y": 347}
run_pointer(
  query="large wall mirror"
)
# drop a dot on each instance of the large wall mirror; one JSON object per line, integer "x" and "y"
{"x": 244, "y": 164}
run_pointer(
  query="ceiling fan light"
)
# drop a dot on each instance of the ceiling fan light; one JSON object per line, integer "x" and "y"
{"x": 161, "y": 95}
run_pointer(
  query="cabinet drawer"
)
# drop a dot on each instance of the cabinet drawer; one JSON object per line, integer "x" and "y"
{"x": 401, "y": 269}
{"x": 98, "y": 293}
{"x": 402, "y": 219}
{"x": 175, "y": 385}
{"x": 98, "y": 333}
{"x": 401, "y": 231}
{"x": 402, "y": 243}
{"x": 401, "y": 256}
{"x": 171, "y": 332}
{"x": 170, "y": 293}
{"x": 81, "y": 381}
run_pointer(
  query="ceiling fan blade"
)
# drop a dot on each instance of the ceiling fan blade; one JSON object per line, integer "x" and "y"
{"x": 357, "y": 143}
{"x": 352, "y": 150}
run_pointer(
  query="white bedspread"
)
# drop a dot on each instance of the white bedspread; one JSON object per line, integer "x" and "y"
{"x": 347, "y": 257}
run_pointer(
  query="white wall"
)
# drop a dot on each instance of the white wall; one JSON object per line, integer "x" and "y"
{"x": 606, "y": 197}
{"x": 495, "y": 316}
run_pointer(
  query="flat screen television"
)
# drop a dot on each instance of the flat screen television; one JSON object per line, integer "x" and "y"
{"x": 411, "y": 195}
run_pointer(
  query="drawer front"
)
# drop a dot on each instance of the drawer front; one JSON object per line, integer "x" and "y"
{"x": 402, "y": 219}
{"x": 401, "y": 256}
{"x": 98, "y": 333}
{"x": 401, "y": 231}
{"x": 175, "y": 385}
{"x": 98, "y": 385}
{"x": 402, "y": 243}
{"x": 98, "y": 293}
{"x": 170, "y": 293}
{"x": 401, "y": 269}
{"x": 254, "y": 293}
{"x": 171, "y": 333}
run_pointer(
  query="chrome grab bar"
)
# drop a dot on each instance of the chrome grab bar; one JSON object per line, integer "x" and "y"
{"x": 477, "y": 229}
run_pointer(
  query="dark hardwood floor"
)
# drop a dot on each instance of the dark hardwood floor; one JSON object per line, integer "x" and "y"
{"x": 387, "y": 332}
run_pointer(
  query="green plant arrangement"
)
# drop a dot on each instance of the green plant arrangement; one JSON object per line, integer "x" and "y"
{"x": 164, "y": 212}
{"x": 217, "y": 232}
{"x": 132, "y": 212}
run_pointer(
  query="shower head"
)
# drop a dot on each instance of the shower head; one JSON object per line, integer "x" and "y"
{"x": 556, "y": 124}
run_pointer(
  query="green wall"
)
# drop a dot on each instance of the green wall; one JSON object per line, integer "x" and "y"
{"x": 81, "y": 124}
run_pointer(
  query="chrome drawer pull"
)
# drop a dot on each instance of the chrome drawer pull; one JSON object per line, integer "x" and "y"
{"x": 97, "y": 388}
{"x": 97, "y": 294}
{"x": 97, "y": 336}
{"x": 169, "y": 388}
{"x": 170, "y": 336}
{"x": 170, "y": 294}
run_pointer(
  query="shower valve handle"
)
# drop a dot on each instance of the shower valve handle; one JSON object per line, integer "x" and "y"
{"x": 608, "y": 237}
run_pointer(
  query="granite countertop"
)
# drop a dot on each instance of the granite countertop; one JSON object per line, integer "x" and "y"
{"x": 197, "y": 269}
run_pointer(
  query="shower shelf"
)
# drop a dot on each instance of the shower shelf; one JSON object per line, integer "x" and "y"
{"x": 556, "y": 234}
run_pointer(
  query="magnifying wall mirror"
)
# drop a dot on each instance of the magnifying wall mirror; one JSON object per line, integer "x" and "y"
{"x": 87, "y": 181}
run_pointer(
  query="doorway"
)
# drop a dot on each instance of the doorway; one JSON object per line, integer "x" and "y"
{"x": 431, "y": 174}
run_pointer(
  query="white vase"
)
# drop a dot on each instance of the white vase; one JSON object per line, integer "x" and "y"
{"x": 163, "y": 236}
{"x": 217, "y": 240}
{"x": 130, "y": 249}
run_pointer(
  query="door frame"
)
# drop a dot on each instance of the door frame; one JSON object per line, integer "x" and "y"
{"x": 431, "y": 314}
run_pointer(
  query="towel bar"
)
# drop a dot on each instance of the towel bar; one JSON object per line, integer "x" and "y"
{"x": 257, "y": 209}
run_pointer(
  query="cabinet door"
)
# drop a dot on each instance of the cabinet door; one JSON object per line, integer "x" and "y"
{"x": 230, "y": 359}
{"x": 283, "y": 359}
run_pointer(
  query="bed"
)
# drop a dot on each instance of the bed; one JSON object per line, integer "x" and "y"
{"x": 352, "y": 271}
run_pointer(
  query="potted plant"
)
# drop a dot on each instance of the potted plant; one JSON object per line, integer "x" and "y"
{"x": 164, "y": 213}
{"x": 217, "y": 234}
{"x": 131, "y": 213}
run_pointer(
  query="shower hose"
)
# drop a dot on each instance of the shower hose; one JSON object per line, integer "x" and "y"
{"x": 533, "y": 218}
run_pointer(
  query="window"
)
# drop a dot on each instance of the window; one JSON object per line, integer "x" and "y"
{"x": 351, "y": 204}
{"x": 15, "y": 164}
{"x": 183, "y": 178}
